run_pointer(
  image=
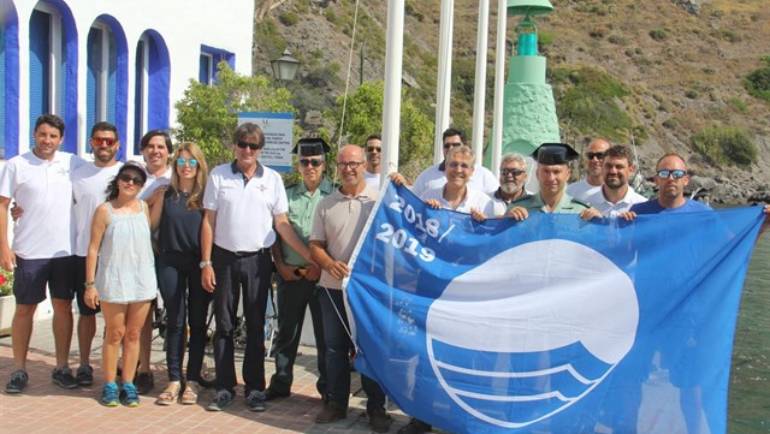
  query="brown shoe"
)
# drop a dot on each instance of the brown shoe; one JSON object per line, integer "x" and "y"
{"x": 379, "y": 420}
{"x": 331, "y": 412}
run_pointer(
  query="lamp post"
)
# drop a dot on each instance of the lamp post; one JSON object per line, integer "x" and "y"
{"x": 285, "y": 67}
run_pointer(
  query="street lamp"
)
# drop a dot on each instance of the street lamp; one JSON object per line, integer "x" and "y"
{"x": 284, "y": 67}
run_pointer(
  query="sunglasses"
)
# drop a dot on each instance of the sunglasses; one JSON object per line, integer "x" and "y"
{"x": 128, "y": 178}
{"x": 597, "y": 155}
{"x": 373, "y": 149}
{"x": 456, "y": 164}
{"x": 352, "y": 165}
{"x": 674, "y": 173}
{"x": 448, "y": 145}
{"x": 306, "y": 162}
{"x": 106, "y": 141}
{"x": 511, "y": 172}
{"x": 181, "y": 162}
{"x": 253, "y": 146}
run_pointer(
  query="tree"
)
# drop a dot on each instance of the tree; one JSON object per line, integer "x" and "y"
{"x": 364, "y": 117}
{"x": 208, "y": 115}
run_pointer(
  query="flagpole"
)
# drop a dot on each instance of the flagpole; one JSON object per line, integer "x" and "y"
{"x": 391, "y": 110}
{"x": 500, "y": 52}
{"x": 444, "y": 79}
{"x": 480, "y": 86}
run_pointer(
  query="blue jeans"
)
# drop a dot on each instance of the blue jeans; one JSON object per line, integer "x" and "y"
{"x": 338, "y": 346}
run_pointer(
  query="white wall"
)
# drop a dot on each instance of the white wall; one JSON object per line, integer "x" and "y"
{"x": 184, "y": 26}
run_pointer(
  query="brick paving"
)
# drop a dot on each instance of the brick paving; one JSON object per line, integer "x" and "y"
{"x": 46, "y": 408}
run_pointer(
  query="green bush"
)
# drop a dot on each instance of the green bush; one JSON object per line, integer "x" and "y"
{"x": 725, "y": 145}
{"x": 739, "y": 104}
{"x": 758, "y": 82}
{"x": 658, "y": 34}
{"x": 288, "y": 18}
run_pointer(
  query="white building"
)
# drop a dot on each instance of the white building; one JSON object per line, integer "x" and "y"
{"x": 122, "y": 61}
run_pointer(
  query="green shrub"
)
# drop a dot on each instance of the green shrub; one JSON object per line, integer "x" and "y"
{"x": 739, "y": 104}
{"x": 725, "y": 145}
{"x": 288, "y": 18}
{"x": 758, "y": 82}
{"x": 658, "y": 34}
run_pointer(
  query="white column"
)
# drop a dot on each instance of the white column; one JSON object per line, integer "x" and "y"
{"x": 480, "y": 86}
{"x": 444, "y": 79}
{"x": 501, "y": 53}
{"x": 391, "y": 111}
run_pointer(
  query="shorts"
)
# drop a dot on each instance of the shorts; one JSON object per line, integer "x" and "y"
{"x": 79, "y": 283}
{"x": 31, "y": 277}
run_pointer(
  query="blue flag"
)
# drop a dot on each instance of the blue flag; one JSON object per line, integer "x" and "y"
{"x": 551, "y": 325}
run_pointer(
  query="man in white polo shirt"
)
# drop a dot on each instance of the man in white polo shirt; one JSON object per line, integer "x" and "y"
{"x": 373, "y": 149}
{"x": 616, "y": 196}
{"x": 244, "y": 201}
{"x": 593, "y": 163}
{"x": 39, "y": 181}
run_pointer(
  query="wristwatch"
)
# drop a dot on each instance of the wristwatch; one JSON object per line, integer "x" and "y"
{"x": 204, "y": 264}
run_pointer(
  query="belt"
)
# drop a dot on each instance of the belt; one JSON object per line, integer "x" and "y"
{"x": 243, "y": 253}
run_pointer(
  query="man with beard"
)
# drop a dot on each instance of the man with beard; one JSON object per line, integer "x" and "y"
{"x": 513, "y": 177}
{"x": 373, "y": 149}
{"x": 616, "y": 196}
{"x": 594, "y": 160}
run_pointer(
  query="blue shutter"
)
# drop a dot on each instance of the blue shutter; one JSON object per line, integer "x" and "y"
{"x": 203, "y": 69}
{"x": 94, "y": 57}
{"x": 39, "y": 70}
{"x": 138, "y": 108}
{"x": 111, "y": 80}
{"x": 2, "y": 90}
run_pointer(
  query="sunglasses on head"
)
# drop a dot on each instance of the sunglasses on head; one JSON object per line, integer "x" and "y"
{"x": 597, "y": 155}
{"x": 129, "y": 178}
{"x": 372, "y": 149}
{"x": 253, "y": 146}
{"x": 306, "y": 162}
{"x": 448, "y": 145}
{"x": 674, "y": 173}
{"x": 107, "y": 141}
{"x": 181, "y": 162}
{"x": 511, "y": 172}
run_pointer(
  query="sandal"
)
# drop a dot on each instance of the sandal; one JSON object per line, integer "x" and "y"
{"x": 170, "y": 394}
{"x": 190, "y": 395}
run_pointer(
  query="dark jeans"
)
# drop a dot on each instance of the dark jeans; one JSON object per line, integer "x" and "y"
{"x": 179, "y": 277}
{"x": 293, "y": 298}
{"x": 338, "y": 346}
{"x": 250, "y": 274}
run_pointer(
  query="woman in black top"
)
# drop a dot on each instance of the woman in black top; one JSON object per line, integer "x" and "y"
{"x": 178, "y": 220}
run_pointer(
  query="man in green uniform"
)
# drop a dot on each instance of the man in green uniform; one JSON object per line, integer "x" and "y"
{"x": 553, "y": 171}
{"x": 297, "y": 279}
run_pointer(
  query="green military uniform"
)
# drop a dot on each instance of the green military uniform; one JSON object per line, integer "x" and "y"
{"x": 301, "y": 210}
{"x": 533, "y": 202}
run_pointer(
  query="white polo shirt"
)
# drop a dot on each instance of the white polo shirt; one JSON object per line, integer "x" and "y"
{"x": 434, "y": 177}
{"x": 89, "y": 185}
{"x": 153, "y": 182}
{"x": 580, "y": 190}
{"x": 43, "y": 189}
{"x": 609, "y": 209}
{"x": 474, "y": 199}
{"x": 372, "y": 180}
{"x": 245, "y": 210}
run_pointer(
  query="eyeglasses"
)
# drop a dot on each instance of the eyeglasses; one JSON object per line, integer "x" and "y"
{"x": 253, "y": 146}
{"x": 448, "y": 145}
{"x": 456, "y": 164}
{"x": 128, "y": 178}
{"x": 674, "y": 173}
{"x": 597, "y": 155}
{"x": 352, "y": 165}
{"x": 106, "y": 141}
{"x": 305, "y": 162}
{"x": 511, "y": 172}
{"x": 181, "y": 162}
{"x": 373, "y": 149}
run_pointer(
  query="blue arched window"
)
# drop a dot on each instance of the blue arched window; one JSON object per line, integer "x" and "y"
{"x": 9, "y": 80}
{"x": 151, "y": 98}
{"x": 53, "y": 59}
{"x": 107, "y": 69}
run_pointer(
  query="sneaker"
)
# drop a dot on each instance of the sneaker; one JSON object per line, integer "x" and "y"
{"x": 331, "y": 412}
{"x": 379, "y": 420}
{"x": 85, "y": 375}
{"x": 110, "y": 395}
{"x": 415, "y": 426}
{"x": 63, "y": 378}
{"x": 129, "y": 396}
{"x": 144, "y": 382}
{"x": 17, "y": 382}
{"x": 222, "y": 399}
{"x": 271, "y": 394}
{"x": 255, "y": 400}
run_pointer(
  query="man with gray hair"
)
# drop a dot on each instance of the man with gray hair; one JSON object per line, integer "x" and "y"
{"x": 513, "y": 177}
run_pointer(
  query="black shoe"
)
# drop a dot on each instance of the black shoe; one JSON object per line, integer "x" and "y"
{"x": 18, "y": 382}
{"x": 331, "y": 412}
{"x": 222, "y": 399}
{"x": 144, "y": 382}
{"x": 63, "y": 378}
{"x": 85, "y": 375}
{"x": 271, "y": 394}
{"x": 255, "y": 400}
{"x": 415, "y": 426}
{"x": 379, "y": 420}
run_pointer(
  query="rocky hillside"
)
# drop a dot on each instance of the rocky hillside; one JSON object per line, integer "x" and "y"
{"x": 667, "y": 75}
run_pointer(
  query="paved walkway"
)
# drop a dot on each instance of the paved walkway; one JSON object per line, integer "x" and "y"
{"x": 46, "y": 408}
